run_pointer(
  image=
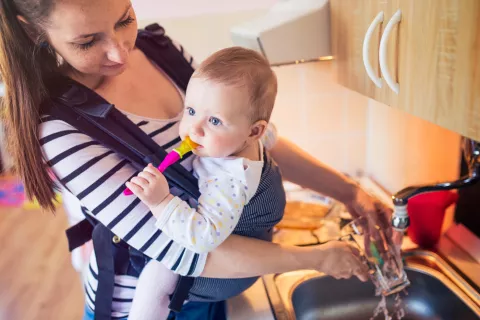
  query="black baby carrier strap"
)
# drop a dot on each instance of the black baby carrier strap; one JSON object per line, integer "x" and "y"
{"x": 94, "y": 116}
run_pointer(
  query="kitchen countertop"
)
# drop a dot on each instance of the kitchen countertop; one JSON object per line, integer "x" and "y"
{"x": 252, "y": 304}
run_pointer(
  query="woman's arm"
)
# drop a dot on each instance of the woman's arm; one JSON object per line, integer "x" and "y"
{"x": 240, "y": 257}
{"x": 249, "y": 257}
{"x": 303, "y": 169}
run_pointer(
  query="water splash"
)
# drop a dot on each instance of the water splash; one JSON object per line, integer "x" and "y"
{"x": 398, "y": 308}
{"x": 381, "y": 308}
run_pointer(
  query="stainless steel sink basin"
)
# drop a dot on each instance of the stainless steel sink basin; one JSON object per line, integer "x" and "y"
{"x": 437, "y": 292}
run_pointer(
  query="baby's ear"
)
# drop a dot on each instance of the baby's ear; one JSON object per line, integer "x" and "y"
{"x": 258, "y": 129}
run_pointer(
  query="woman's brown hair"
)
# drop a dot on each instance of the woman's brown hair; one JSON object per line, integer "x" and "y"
{"x": 27, "y": 65}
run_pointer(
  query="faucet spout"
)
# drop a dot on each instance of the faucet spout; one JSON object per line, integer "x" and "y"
{"x": 401, "y": 198}
{"x": 471, "y": 152}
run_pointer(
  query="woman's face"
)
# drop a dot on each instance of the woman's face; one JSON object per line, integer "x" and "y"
{"x": 95, "y": 37}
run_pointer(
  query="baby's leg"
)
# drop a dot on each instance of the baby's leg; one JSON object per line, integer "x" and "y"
{"x": 155, "y": 284}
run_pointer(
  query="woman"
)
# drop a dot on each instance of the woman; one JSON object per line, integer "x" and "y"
{"x": 92, "y": 42}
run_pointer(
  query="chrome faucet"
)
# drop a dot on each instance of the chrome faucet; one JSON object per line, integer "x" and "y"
{"x": 471, "y": 152}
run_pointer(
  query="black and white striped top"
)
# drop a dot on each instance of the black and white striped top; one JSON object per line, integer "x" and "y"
{"x": 96, "y": 177}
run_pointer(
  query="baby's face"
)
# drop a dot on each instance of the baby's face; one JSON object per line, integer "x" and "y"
{"x": 215, "y": 117}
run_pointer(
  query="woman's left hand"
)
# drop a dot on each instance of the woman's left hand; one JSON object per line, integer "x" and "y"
{"x": 378, "y": 216}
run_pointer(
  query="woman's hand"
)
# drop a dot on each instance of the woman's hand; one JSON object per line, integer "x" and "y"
{"x": 339, "y": 260}
{"x": 378, "y": 217}
{"x": 150, "y": 186}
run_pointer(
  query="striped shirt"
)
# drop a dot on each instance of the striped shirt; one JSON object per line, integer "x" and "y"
{"x": 96, "y": 177}
{"x": 92, "y": 178}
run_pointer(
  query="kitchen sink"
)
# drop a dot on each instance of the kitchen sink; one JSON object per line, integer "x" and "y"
{"x": 437, "y": 292}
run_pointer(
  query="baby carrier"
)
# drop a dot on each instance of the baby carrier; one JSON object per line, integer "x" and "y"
{"x": 91, "y": 114}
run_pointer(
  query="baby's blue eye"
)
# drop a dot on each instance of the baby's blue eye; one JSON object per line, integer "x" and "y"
{"x": 191, "y": 111}
{"x": 215, "y": 121}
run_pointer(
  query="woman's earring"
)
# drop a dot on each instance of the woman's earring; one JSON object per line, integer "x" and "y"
{"x": 44, "y": 45}
{"x": 60, "y": 60}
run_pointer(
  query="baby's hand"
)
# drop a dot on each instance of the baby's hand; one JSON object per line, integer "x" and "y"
{"x": 150, "y": 186}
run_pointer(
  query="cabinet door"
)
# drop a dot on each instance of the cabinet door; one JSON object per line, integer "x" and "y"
{"x": 350, "y": 20}
{"x": 438, "y": 63}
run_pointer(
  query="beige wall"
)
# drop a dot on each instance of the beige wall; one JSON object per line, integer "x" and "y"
{"x": 404, "y": 150}
{"x": 353, "y": 133}
{"x": 167, "y": 9}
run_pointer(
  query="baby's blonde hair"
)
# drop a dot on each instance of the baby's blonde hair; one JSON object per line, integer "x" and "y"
{"x": 241, "y": 67}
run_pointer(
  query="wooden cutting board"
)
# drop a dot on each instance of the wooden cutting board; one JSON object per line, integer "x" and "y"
{"x": 302, "y": 215}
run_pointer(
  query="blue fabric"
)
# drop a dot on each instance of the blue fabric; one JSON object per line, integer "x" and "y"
{"x": 190, "y": 311}
{"x": 88, "y": 314}
{"x": 201, "y": 311}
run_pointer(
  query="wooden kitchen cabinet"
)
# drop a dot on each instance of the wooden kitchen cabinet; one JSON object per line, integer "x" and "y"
{"x": 349, "y": 22}
{"x": 433, "y": 53}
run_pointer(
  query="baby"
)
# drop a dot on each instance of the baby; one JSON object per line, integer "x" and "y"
{"x": 228, "y": 104}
